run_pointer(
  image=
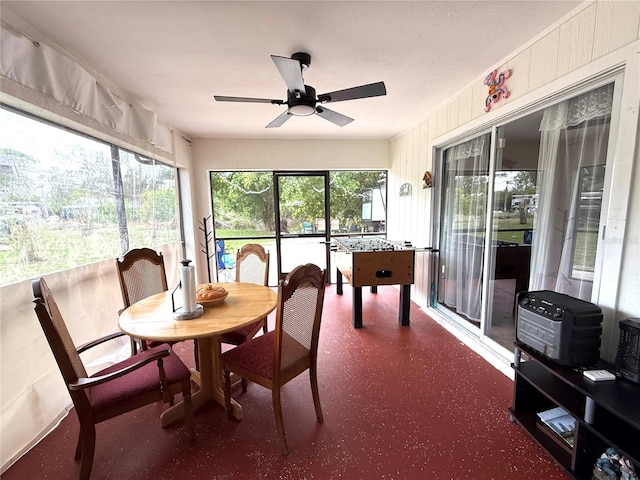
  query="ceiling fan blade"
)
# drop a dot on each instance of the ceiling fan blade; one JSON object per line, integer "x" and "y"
{"x": 221, "y": 98}
{"x": 333, "y": 117}
{"x": 291, "y": 72}
{"x": 363, "y": 91}
{"x": 279, "y": 120}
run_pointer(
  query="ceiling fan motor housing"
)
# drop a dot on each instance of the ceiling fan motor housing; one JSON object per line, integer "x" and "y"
{"x": 303, "y": 58}
{"x": 302, "y": 104}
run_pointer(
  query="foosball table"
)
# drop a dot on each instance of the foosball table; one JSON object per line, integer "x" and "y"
{"x": 372, "y": 262}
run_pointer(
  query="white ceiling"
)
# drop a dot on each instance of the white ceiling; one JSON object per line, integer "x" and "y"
{"x": 173, "y": 56}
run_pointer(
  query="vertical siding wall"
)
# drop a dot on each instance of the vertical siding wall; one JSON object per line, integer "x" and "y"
{"x": 592, "y": 33}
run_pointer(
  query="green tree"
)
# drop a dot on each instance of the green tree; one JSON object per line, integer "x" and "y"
{"x": 302, "y": 198}
{"x": 243, "y": 197}
{"x": 524, "y": 182}
{"x": 349, "y": 189}
{"x": 17, "y": 172}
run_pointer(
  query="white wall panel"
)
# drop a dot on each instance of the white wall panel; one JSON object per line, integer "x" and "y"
{"x": 619, "y": 14}
{"x": 433, "y": 129}
{"x": 393, "y": 183}
{"x": 465, "y": 106}
{"x": 576, "y": 41}
{"x": 452, "y": 114}
{"x": 518, "y": 84}
{"x": 441, "y": 120}
{"x": 544, "y": 60}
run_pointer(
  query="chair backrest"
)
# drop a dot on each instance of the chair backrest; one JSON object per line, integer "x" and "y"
{"x": 299, "y": 311}
{"x": 252, "y": 264}
{"x": 57, "y": 334}
{"x": 141, "y": 273}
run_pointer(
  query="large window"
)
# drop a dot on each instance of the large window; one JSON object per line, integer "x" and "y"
{"x": 68, "y": 200}
{"x": 243, "y": 204}
{"x": 294, "y": 217}
{"x": 359, "y": 200}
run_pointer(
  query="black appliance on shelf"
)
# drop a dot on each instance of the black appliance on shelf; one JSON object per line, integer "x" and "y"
{"x": 628, "y": 357}
{"x": 564, "y": 329}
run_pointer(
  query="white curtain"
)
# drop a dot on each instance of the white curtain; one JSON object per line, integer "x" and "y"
{"x": 43, "y": 69}
{"x": 574, "y": 136}
{"x": 33, "y": 397}
{"x": 462, "y": 242}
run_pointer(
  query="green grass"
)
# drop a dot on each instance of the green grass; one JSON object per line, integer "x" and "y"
{"x": 232, "y": 246}
{"x": 44, "y": 249}
{"x": 508, "y": 227}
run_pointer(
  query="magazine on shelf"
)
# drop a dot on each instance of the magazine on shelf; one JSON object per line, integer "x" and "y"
{"x": 561, "y": 422}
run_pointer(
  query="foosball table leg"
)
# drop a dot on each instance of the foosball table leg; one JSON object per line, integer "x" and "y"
{"x": 338, "y": 282}
{"x": 405, "y": 304}
{"x": 357, "y": 307}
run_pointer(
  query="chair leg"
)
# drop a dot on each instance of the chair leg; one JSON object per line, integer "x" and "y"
{"x": 227, "y": 393}
{"x": 313, "y": 377}
{"x": 277, "y": 408}
{"x": 188, "y": 409}
{"x": 88, "y": 447}
{"x": 244, "y": 385}
{"x": 196, "y": 354}
{"x": 78, "y": 453}
{"x": 134, "y": 346}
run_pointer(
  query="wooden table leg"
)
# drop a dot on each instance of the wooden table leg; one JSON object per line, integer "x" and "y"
{"x": 210, "y": 380}
{"x": 216, "y": 387}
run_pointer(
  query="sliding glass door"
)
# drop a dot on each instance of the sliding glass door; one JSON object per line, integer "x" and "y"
{"x": 523, "y": 212}
{"x": 302, "y": 229}
{"x": 463, "y": 223}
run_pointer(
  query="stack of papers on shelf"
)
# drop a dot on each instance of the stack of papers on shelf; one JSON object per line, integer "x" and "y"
{"x": 560, "y": 421}
{"x": 599, "y": 375}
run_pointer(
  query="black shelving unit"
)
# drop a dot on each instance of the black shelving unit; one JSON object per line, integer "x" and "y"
{"x": 607, "y": 413}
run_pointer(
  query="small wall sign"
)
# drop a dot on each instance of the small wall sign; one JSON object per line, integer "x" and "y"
{"x": 427, "y": 180}
{"x": 406, "y": 189}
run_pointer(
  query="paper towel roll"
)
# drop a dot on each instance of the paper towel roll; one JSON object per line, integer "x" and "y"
{"x": 188, "y": 286}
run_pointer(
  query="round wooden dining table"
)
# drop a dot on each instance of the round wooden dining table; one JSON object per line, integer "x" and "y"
{"x": 152, "y": 319}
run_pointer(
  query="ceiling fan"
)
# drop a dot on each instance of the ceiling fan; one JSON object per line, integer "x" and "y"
{"x": 301, "y": 99}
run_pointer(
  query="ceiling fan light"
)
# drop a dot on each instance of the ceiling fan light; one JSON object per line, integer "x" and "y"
{"x": 302, "y": 105}
{"x": 302, "y": 110}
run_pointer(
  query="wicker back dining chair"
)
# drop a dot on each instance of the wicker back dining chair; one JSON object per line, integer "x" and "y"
{"x": 147, "y": 377}
{"x": 275, "y": 358}
{"x": 141, "y": 274}
{"x": 252, "y": 266}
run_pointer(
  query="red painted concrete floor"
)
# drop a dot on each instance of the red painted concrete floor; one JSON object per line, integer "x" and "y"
{"x": 398, "y": 402}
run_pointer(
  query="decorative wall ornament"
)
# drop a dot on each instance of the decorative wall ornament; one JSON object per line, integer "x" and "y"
{"x": 497, "y": 90}
{"x": 427, "y": 180}
{"x": 406, "y": 189}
